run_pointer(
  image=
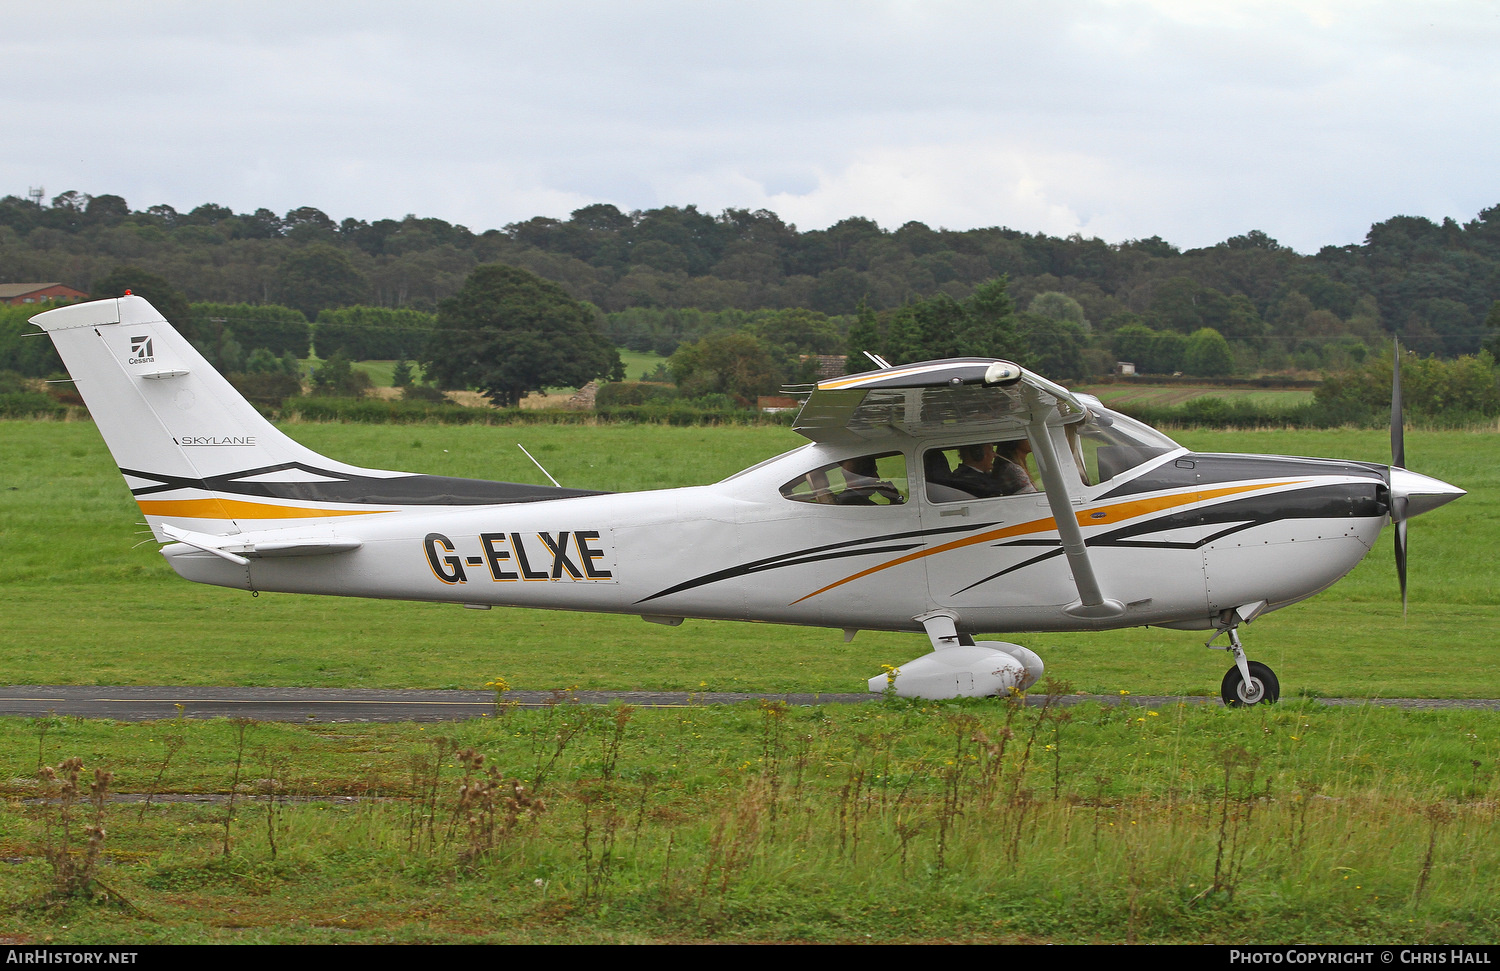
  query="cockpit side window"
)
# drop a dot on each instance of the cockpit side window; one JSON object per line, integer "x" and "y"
{"x": 867, "y": 480}
{"x": 982, "y": 470}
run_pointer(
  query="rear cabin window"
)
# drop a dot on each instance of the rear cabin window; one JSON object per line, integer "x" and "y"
{"x": 869, "y": 480}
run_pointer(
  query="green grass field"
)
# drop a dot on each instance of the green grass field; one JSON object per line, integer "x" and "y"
{"x": 1127, "y": 393}
{"x": 974, "y": 822}
{"x": 639, "y": 362}
{"x": 382, "y": 373}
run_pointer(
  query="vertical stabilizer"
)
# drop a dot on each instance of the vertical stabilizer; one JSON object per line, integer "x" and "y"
{"x": 174, "y": 425}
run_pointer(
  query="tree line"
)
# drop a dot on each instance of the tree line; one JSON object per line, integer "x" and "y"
{"x": 1435, "y": 284}
{"x": 508, "y": 332}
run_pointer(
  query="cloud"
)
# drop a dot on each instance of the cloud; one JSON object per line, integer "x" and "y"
{"x": 955, "y": 185}
{"x": 1121, "y": 118}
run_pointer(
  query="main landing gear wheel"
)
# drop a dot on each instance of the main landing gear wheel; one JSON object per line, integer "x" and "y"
{"x": 1262, "y": 688}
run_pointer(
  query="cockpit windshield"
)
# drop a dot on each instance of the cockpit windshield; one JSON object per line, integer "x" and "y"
{"x": 1111, "y": 444}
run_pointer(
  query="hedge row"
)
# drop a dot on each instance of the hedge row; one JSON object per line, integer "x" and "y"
{"x": 1200, "y": 413}
{"x": 1222, "y": 413}
{"x": 372, "y": 333}
{"x": 362, "y": 333}
{"x": 281, "y": 330}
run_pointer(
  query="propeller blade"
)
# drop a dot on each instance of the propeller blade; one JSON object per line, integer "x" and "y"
{"x": 1401, "y": 553}
{"x": 1398, "y": 461}
{"x": 1398, "y": 423}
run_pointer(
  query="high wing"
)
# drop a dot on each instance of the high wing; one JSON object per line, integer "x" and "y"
{"x": 975, "y": 395}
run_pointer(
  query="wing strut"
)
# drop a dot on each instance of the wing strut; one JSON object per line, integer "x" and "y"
{"x": 1091, "y": 602}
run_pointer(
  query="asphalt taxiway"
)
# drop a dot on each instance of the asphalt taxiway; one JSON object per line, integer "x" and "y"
{"x": 148, "y": 703}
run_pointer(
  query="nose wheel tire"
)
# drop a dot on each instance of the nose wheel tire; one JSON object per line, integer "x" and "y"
{"x": 1262, "y": 688}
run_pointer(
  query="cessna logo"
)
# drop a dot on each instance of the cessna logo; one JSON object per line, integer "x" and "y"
{"x": 568, "y": 555}
{"x": 140, "y": 350}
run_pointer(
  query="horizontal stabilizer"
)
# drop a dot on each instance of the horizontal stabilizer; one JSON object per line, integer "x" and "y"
{"x": 238, "y": 547}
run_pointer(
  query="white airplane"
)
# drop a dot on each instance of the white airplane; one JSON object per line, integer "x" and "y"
{"x": 890, "y": 518}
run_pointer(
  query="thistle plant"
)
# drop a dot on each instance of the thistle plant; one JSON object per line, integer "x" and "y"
{"x": 73, "y": 867}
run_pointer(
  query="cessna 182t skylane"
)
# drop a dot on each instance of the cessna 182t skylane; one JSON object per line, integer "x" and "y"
{"x": 877, "y": 523}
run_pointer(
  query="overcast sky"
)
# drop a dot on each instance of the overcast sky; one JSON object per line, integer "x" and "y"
{"x": 1194, "y": 120}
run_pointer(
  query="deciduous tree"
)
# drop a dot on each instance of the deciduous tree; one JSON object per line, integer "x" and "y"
{"x": 509, "y": 333}
{"x": 319, "y": 276}
{"x": 730, "y": 363}
{"x": 1207, "y": 353}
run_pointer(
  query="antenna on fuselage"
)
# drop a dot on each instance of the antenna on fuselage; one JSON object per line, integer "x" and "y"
{"x": 880, "y": 362}
{"x": 538, "y": 465}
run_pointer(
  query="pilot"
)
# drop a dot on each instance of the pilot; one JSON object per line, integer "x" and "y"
{"x": 975, "y": 472}
{"x": 1009, "y": 472}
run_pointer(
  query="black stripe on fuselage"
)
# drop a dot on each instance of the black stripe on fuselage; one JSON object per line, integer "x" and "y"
{"x": 887, "y": 543}
{"x": 1204, "y": 469}
{"x": 1347, "y": 500}
{"x": 404, "y": 490}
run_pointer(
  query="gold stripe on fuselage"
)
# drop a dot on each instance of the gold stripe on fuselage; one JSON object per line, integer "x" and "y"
{"x": 239, "y": 509}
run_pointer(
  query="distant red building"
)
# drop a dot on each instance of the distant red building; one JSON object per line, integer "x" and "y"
{"x": 774, "y": 403}
{"x": 23, "y": 293}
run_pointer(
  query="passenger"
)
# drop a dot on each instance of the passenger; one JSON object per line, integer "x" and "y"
{"x": 817, "y": 484}
{"x": 935, "y": 466}
{"x": 1011, "y": 477}
{"x": 862, "y": 483}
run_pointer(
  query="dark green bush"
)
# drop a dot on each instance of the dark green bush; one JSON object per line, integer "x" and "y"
{"x": 266, "y": 389}
{"x": 618, "y": 393}
{"x": 424, "y": 392}
{"x": 30, "y": 404}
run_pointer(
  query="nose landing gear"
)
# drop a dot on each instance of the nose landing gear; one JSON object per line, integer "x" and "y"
{"x": 1248, "y": 682}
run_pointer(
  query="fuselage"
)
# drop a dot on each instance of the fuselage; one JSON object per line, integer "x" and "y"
{"x": 1176, "y": 539}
